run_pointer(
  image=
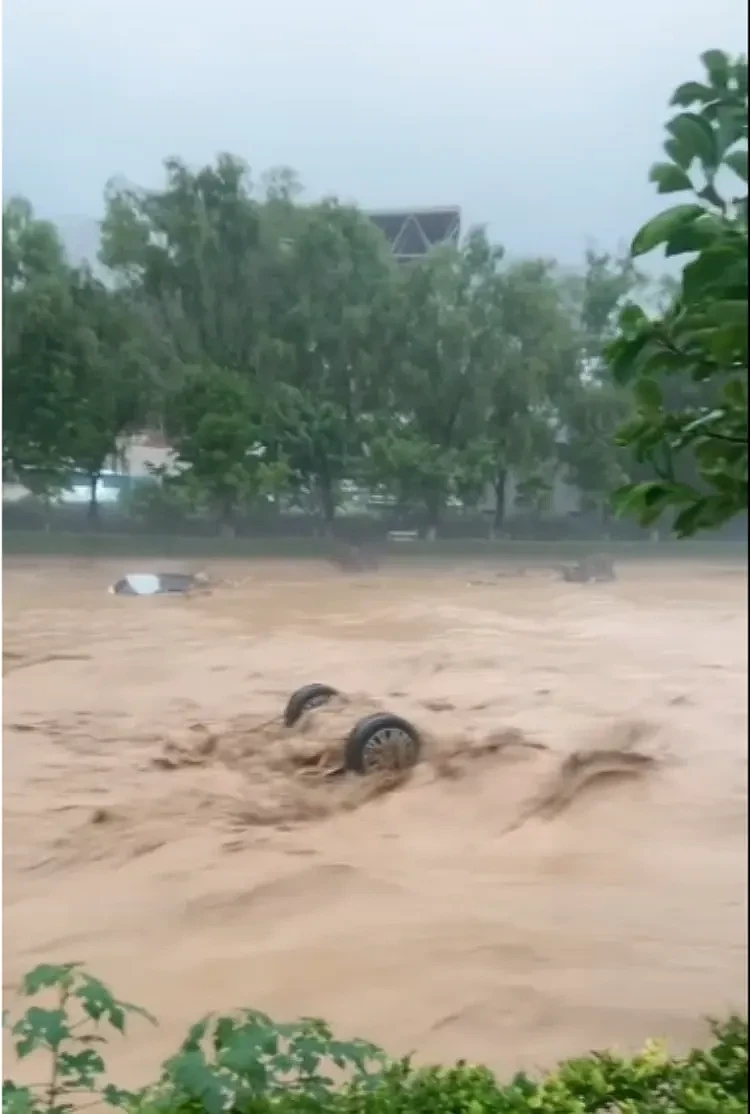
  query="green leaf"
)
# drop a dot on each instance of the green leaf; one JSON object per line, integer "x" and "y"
{"x": 40, "y": 1028}
{"x": 695, "y": 134}
{"x": 709, "y": 272}
{"x": 195, "y": 1035}
{"x": 729, "y": 312}
{"x": 664, "y": 226}
{"x": 80, "y": 1070}
{"x": 632, "y": 318}
{"x": 192, "y": 1075}
{"x": 690, "y": 92}
{"x": 678, "y": 153}
{"x": 625, "y": 355}
{"x": 731, "y": 126}
{"x": 116, "y": 1096}
{"x": 46, "y": 976}
{"x": 718, "y": 66}
{"x": 694, "y": 237}
{"x": 649, "y": 394}
{"x": 697, "y": 516}
{"x": 97, "y": 1002}
{"x": 19, "y": 1100}
{"x": 648, "y": 501}
{"x": 735, "y": 392}
{"x": 669, "y": 178}
{"x": 737, "y": 161}
{"x": 710, "y": 194}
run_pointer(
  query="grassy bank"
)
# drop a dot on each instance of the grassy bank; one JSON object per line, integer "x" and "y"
{"x": 35, "y": 543}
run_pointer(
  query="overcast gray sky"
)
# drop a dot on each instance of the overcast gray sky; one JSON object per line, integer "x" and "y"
{"x": 539, "y": 117}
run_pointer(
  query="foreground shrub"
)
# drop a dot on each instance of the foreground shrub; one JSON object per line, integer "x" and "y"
{"x": 247, "y": 1064}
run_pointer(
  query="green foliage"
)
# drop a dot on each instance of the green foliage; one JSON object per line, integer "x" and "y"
{"x": 533, "y": 362}
{"x": 227, "y": 1062}
{"x": 284, "y": 351}
{"x": 160, "y": 502}
{"x": 75, "y": 370}
{"x": 245, "y": 1063}
{"x": 592, "y": 407}
{"x": 110, "y": 379}
{"x": 216, "y": 426}
{"x": 688, "y": 366}
{"x": 287, "y": 354}
{"x": 443, "y": 330}
{"x": 322, "y": 348}
{"x": 37, "y": 371}
{"x": 69, "y": 1033}
{"x": 192, "y": 251}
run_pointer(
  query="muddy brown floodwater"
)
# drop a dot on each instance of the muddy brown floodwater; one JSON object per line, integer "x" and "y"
{"x": 564, "y": 870}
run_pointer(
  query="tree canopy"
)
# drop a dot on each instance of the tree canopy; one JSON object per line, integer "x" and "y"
{"x": 286, "y": 354}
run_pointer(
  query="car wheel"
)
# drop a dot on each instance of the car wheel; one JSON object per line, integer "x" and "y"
{"x": 381, "y": 742}
{"x": 305, "y": 698}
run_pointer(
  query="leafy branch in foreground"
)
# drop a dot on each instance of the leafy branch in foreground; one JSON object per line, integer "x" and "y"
{"x": 68, "y": 1031}
{"x": 227, "y": 1062}
{"x": 688, "y": 367}
{"x": 246, "y": 1063}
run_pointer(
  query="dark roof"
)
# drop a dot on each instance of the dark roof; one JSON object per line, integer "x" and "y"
{"x": 412, "y": 232}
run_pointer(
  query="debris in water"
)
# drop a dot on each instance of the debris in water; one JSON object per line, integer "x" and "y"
{"x": 597, "y": 567}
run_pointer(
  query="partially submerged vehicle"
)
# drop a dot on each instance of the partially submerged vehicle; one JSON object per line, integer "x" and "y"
{"x": 377, "y": 742}
{"x": 159, "y": 584}
{"x": 598, "y": 568}
{"x": 353, "y": 558}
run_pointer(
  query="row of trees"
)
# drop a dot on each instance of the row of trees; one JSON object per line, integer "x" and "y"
{"x": 283, "y": 350}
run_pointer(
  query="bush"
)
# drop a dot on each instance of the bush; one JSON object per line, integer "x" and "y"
{"x": 248, "y": 1064}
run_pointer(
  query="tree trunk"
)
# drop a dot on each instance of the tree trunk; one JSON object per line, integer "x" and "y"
{"x": 227, "y": 524}
{"x": 500, "y": 487}
{"x": 434, "y": 505}
{"x": 92, "y": 513}
{"x": 327, "y": 504}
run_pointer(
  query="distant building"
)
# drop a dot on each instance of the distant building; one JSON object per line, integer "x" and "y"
{"x": 141, "y": 452}
{"x": 411, "y": 233}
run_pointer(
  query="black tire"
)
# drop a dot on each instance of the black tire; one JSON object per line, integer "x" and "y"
{"x": 309, "y": 696}
{"x": 121, "y": 588}
{"x": 381, "y": 741}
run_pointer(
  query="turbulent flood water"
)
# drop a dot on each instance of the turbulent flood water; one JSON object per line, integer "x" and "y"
{"x": 563, "y": 870}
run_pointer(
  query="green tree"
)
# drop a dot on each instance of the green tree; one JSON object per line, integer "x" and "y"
{"x": 75, "y": 369}
{"x": 687, "y": 367}
{"x": 32, "y": 248}
{"x": 111, "y": 386}
{"x": 193, "y": 252}
{"x": 431, "y": 444}
{"x": 216, "y": 428}
{"x": 533, "y": 360}
{"x": 323, "y": 354}
{"x": 594, "y": 410}
{"x": 37, "y": 368}
{"x": 592, "y": 407}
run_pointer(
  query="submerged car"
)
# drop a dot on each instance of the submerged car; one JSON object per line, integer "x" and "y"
{"x": 159, "y": 584}
{"x": 377, "y": 742}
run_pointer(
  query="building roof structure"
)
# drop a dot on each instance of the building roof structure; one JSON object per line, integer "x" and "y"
{"x": 412, "y": 233}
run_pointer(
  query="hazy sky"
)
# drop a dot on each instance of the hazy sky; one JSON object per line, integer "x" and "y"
{"x": 539, "y": 117}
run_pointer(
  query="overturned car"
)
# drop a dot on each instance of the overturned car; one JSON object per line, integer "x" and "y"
{"x": 377, "y": 742}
